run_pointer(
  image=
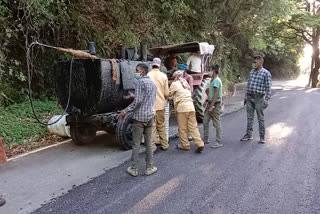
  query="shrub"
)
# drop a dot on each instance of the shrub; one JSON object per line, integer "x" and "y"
{"x": 18, "y": 125}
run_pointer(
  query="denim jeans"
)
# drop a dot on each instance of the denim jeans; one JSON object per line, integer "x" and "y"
{"x": 255, "y": 103}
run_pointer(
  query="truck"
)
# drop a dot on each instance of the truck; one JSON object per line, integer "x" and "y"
{"x": 93, "y": 90}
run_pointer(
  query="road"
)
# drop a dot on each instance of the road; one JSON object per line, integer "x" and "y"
{"x": 282, "y": 176}
{"x": 32, "y": 179}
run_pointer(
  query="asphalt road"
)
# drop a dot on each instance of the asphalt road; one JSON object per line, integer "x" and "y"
{"x": 282, "y": 176}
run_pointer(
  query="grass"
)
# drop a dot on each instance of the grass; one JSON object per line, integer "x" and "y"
{"x": 18, "y": 125}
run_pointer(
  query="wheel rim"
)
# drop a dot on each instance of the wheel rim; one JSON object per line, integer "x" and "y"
{"x": 129, "y": 133}
{"x": 124, "y": 131}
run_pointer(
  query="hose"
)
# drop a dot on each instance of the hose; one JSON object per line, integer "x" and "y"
{"x": 30, "y": 74}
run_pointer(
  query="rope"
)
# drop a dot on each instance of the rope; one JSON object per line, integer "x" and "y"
{"x": 115, "y": 76}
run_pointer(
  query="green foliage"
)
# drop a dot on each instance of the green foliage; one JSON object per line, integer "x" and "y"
{"x": 239, "y": 29}
{"x": 17, "y": 124}
{"x": 20, "y": 23}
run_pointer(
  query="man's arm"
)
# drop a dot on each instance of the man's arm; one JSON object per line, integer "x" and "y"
{"x": 206, "y": 98}
{"x": 129, "y": 96}
{"x": 138, "y": 99}
{"x": 247, "y": 90}
{"x": 215, "y": 97}
{"x": 189, "y": 63}
{"x": 268, "y": 86}
{"x": 166, "y": 89}
{"x": 191, "y": 83}
{"x": 172, "y": 89}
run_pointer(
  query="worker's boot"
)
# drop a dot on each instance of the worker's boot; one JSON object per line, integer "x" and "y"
{"x": 2, "y": 202}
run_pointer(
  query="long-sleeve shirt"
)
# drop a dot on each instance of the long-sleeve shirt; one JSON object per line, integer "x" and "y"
{"x": 259, "y": 82}
{"x": 144, "y": 99}
{"x": 161, "y": 82}
{"x": 182, "y": 99}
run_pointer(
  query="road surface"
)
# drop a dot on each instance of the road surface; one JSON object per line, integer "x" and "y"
{"x": 282, "y": 176}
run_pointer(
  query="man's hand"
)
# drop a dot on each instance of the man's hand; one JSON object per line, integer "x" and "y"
{"x": 122, "y": 115}
{"x": 211, "y": 108}
{"x": 266, "y": 104}
{"x": 205, "y": 103}
{"x": 129, "y": 96}
{"x": 245, "y": 101}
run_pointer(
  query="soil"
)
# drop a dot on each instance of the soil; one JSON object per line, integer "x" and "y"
{"x": 47, "y": 140}
{"x": 229, "y": 92}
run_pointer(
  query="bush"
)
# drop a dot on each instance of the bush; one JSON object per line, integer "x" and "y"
{"x": 18, "y": 125}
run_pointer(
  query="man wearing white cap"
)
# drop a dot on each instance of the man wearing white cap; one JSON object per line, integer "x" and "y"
{"x": 161, "y": 81}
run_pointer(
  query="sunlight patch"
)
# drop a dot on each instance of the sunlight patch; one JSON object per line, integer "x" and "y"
{"x": 279, "y": 131}
{"x": 311, "y": 90}
{"x": 155, "y": 197}
{"x": 281, "y": 98}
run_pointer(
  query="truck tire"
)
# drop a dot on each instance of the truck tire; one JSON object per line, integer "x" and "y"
{"x": 124, "y": 131}
{"x": 82, "y": 134}
{"x": 199, "y": 96}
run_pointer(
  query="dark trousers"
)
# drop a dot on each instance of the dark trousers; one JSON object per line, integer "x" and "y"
{"x": 142, "y": 129}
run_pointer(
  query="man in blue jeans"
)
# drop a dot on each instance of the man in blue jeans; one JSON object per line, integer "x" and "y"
{"x": 257, "y": 96}
{"x": 143, "y": 116}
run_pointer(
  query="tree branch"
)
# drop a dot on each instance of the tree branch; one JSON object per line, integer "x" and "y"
{"x": 300, "y": 33}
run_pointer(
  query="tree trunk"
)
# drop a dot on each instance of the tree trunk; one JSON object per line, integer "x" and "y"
{"x": 314, "y": 74}
{"x": 311, "y": 68}
{"x": 316, "y": 58}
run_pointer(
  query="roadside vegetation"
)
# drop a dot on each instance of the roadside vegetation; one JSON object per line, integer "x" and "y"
{"x": 277, "y": 29}
{"x": 17, "y": 123}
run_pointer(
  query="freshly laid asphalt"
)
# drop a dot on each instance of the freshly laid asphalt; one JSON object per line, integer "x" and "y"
{"x": 33, "y": 179}
{"x": 282, "y": 176}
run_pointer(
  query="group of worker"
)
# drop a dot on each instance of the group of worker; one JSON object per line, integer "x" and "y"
{"x": 148, "y": 107}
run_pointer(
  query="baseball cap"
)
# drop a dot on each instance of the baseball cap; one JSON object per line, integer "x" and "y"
{"x": 156, "y": 62}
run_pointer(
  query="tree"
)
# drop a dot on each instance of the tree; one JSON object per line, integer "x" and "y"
{"x": 305, "y": 23}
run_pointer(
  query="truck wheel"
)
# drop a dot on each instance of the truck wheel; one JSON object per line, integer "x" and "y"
{"x": 199, "y": 95}
{"x": 124, "y": 131}
{"x": 82, "y": 134}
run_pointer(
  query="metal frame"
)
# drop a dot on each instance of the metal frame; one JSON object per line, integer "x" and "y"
{"x": 205, "y": 49}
